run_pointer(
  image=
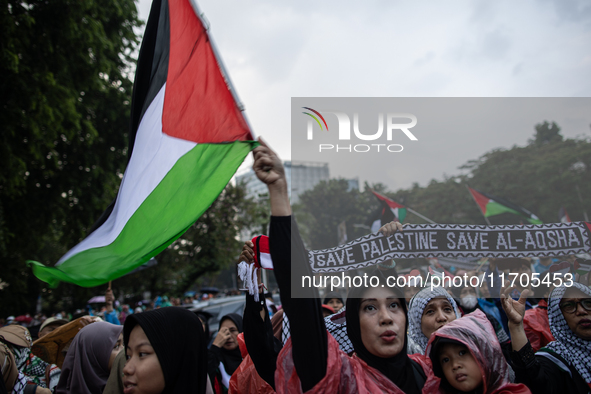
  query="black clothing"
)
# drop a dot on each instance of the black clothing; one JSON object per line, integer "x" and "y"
{"x": 230, "y": 359}
{"x": 542, "y": 375}
{"x": 333, "y": 295}
{"x": 236, "y": 319}
{"x": 176, "y": 334}
{"x": 262, "y": 346}
{"x": 308, "y": 332}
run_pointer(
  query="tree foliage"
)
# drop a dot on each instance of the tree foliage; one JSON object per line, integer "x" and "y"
{"x": 65, "y": 99}
{"x": 546, "y": 133}
{"x": 323, "y": 208}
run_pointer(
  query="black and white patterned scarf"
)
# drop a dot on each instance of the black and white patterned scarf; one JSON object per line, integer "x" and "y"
{"x": 576, "y": 351}
{"x": 417, "y": 340}
{"x": 335, "y": 324}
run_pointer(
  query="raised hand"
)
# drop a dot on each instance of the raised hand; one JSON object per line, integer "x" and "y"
{"x": 222, "y": 337}
{"x": 390, "y": 228}
{"x": 515, "y": 310}
{"x": 247, "y": 254}
{"x": 267, "y": 165}
{"x": 268, "y": 168}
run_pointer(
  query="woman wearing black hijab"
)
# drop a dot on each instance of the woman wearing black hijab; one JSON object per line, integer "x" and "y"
{"x": 376, "y": 318}
{"x": 166, "y": 352}
{"x": 224, "y": 354}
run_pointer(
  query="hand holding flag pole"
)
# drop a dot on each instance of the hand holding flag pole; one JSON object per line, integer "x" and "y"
{"x": 249, "y": 269}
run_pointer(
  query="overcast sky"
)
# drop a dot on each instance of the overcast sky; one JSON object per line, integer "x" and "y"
{"x": 278, "y": 50}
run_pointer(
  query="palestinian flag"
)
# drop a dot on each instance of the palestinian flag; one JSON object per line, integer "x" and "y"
{"x": 187, "y": 139}
{"x": 563, "y": 216}
{"x": 388, "y": 211}
{"x": 491, "y": 206}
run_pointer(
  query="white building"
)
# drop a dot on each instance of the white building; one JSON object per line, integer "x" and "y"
{"x": 301, "y": 176}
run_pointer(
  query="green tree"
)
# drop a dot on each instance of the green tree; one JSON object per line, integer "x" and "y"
{"x": 541, "y": 177}
{"x": 328, "y": 204}
{"x": 547, "y": 133}
{"x": 65, "y": 99}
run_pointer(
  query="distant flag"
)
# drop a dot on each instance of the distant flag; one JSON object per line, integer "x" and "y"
{"x": 491, "y": 206}
{"x": 187, "y": 139}
{"x": 563, "y": 216}
{"x": 388, "y": 211}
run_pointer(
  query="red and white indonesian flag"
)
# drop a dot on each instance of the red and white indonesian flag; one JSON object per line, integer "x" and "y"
{"x": 262, "y": 255}
{"x": 262, "y": 259}
{"x": 187, "y": 139}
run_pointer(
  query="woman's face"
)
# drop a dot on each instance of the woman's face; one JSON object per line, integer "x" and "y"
{"x": 436, "y": 314}
{"x": 142, "y": 373}
{"x": 335, "y": 304}
{"x": 578, "y": 321}
{"x": 383, "y": 322}
{"x": 116, "y": 349}
{"x": 232, "y": 342}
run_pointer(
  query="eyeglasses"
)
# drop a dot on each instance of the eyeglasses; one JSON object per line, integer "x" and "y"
{"x": 571, "y": 306}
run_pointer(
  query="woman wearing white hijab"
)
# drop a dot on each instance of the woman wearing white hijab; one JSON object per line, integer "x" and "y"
{"x": 429, "y": 310}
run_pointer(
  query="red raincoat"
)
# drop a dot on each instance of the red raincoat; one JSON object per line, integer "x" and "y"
{"x": 537, "y": 326}
{"x": 345, "y": 375}
{"x": 477, "y": 334}
{"x": 246, "y": 380}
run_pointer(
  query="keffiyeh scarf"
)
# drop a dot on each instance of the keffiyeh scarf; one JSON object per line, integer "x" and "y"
{"x": 576, "y": 351}
{"x": 415, "y": 315}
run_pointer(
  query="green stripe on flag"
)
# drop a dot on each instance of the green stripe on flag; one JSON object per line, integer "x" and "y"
{"x": 401, "y": 214}
{"x": 494, "y": 208}
{"x": 182, "y": 196}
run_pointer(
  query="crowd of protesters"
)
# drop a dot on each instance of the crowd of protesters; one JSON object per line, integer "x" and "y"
{"x": 379, "y": 339}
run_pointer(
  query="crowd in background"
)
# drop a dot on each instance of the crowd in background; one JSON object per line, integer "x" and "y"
{"x": 497, "y": 338}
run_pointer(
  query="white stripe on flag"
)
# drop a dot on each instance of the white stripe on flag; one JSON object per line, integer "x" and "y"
{"x": 266, "y": 261}
{"x": 154, "y": 155}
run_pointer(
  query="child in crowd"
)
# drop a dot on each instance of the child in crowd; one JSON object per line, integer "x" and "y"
{"x": 468, "y": 358}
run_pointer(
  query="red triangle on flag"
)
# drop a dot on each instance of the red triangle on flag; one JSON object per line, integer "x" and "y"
{"x": 198, "y": 106}
{"x": 391, "y": 204}
{"x": 481, "y": 200}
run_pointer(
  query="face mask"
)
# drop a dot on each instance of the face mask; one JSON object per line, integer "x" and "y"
{"x": 469, "y": 301}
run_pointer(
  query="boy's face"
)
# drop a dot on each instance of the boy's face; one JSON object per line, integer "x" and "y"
{"x": 459, "y": 367}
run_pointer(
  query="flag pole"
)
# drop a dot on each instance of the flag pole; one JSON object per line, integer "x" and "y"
{"x": 421, "y": 216}
{"x": 220, "y": 62}
{"x": 581, "y": 200}
{"x": 485, "y": 218}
